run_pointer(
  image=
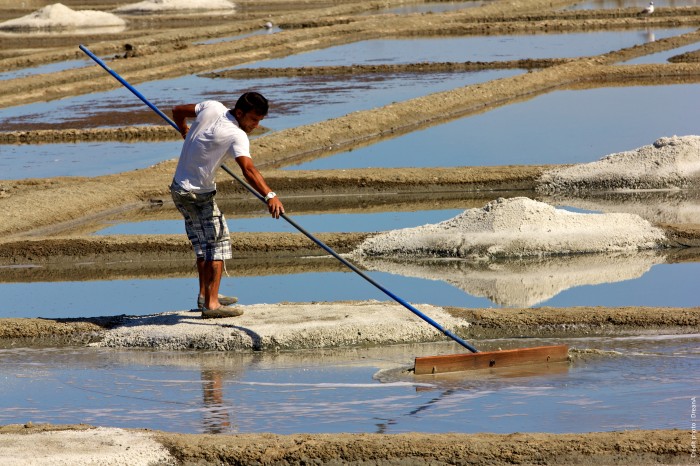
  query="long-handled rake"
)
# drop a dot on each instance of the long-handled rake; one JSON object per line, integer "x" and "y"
{"x": 423, "y": 365}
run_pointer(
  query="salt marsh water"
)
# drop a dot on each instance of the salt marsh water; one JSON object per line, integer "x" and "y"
{"x": 662, "y": 57}
{"x": 580, "y": 126}
{"x": 192, "y": 88}
{"x": 638, "y": 280}
{"x": 47, "y": 68}
{"x": 354, "y": 390}
{"x": 294, "y": 101}
{"x": 82, "y": 159}
{"x": 471, "y": 48}
{"x": 559, "y": 127}
{"x": 319, "y": 223}
{"x": 305, "y": 100}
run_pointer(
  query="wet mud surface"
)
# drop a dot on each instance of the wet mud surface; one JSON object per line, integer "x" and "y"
{"x": 65, "y": 211}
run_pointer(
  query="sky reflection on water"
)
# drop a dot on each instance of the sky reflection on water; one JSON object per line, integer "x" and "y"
{"x": 659, "y": 284}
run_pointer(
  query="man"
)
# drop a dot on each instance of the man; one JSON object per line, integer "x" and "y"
{"x": 215, "y": 132}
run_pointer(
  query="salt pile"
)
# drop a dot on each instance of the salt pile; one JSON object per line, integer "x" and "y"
{"x": 84, "y": 446}
{"x": 658, "y": 207}
{"x": 59, "y": 16}
{"x": 668, "y": 163}
{"x": 152, "y": 6}
{"x": 517, "y": 227}
{"x": 283, "y": 327}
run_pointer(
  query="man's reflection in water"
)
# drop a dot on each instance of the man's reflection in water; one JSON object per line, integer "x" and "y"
{"x": 216, "y": 415}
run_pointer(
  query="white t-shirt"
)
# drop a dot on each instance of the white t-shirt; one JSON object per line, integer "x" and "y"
{"x": 214, "y": 134}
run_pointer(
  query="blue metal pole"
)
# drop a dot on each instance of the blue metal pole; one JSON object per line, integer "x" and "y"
{"x": 330, "y": 251}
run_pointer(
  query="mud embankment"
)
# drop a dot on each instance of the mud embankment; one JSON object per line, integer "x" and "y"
{"x": 83, "y": 442}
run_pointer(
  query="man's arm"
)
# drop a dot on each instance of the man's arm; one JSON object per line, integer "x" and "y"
{"x": 180, "y": 115}
{"x": 256, "y": 180}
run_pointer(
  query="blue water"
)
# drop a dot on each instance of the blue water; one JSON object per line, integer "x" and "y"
{"x": 471, "y": 48}
{"x": 306, "y": 100}
{"x": 82, "y": 159}
{"x": 196, "y": 392}
{"x": 663, "y": 285}
{"x": 296, "y": 101}
{"x": 286, "y": 94}
{"x": 47, "y": 68}
{"x": 662, "y": 57}
{"x": 560, "y": 127}
{"x": 318, "y": 223}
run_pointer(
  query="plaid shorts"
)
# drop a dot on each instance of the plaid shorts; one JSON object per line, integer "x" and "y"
{"x": 204, "y": 223}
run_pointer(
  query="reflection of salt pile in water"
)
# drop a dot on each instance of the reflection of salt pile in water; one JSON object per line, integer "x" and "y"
{"x": 672, "y": 162}
{"x": 517, "y": 227}
{"x": 524, "y": 282}
{"x": 151, "y": 6}
{"x": 668, "y": 206}
{"x": 60, "y": 16}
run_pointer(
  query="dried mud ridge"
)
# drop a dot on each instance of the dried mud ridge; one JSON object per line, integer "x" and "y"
{"x": 130, "y": 133}
{"x": 419, "y": 449}
{"x": 479, "y": 323}
{"x": 640, "y": 447}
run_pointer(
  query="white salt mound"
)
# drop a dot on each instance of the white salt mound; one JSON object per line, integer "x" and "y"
{"x": 282, "y": 327}
{"x": 517, "y": 227}
{"x": 152, "y": 6}
{"x": 668, "y": 163}
{"x": 58, "y": 16}
{"x": 103, "y": 445}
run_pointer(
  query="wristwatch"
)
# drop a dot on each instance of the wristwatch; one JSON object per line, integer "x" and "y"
{"x": 270, "y": 195}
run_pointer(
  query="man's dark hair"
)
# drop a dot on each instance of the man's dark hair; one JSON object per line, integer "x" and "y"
{"x": 252, "y": 101}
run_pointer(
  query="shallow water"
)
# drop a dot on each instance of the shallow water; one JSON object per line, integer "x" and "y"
{"x": 82, "y": 159}
{"x": 559, "y": 127}
{"x": 318, "y": 223}
{"x": 47, "y": 68}
{"x": 643, "y": 279}
{"x": 471, "y": 48}
{"x": 296, "y": 101}
{"x": 192, "y": 88}
{"x": 641, "y": 383}
{"x": 662, "y": 57}
{"x": 306, "y": 100}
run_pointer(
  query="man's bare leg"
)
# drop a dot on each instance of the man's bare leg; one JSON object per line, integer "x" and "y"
{"x": 209, "y": 281}
{"x": 200, "y": 272}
